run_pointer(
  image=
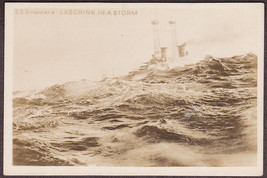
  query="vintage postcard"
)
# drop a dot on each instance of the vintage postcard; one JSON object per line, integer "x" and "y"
{"x": 134, "y": 89}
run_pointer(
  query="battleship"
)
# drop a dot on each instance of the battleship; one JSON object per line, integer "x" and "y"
{"x": 160, "y": 55}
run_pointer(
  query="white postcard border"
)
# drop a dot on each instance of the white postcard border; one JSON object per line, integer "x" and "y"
{"x": 9, "y": 169}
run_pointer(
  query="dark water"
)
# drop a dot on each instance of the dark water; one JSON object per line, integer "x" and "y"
{"x": 202, "y": 114}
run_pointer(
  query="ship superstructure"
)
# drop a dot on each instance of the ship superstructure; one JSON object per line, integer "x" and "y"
{"x": 161, "y": 52}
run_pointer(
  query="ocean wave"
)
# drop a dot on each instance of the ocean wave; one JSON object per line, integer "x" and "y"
{"x": 194, "y": 115}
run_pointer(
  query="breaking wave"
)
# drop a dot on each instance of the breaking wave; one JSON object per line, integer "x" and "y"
{"x": 200, "y": 114}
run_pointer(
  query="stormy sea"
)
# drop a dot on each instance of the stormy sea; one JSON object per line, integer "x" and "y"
{"x": 201, "y": 114}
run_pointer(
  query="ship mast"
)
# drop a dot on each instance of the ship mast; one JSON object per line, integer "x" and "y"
{"x": 157, "y": 52}
{"x": 174, "y": 50}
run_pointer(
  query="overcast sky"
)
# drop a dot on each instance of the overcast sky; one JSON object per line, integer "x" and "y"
{"x": 51, "y": 49}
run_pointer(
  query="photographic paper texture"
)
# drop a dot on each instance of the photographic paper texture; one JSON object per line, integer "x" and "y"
{"x": 133, "y": 89}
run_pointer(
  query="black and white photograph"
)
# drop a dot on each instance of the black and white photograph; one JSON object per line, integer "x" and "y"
{"x": 137, "y": 88}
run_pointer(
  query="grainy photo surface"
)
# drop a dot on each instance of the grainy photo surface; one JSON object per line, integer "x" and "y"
{"x": 135, "y": 85}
